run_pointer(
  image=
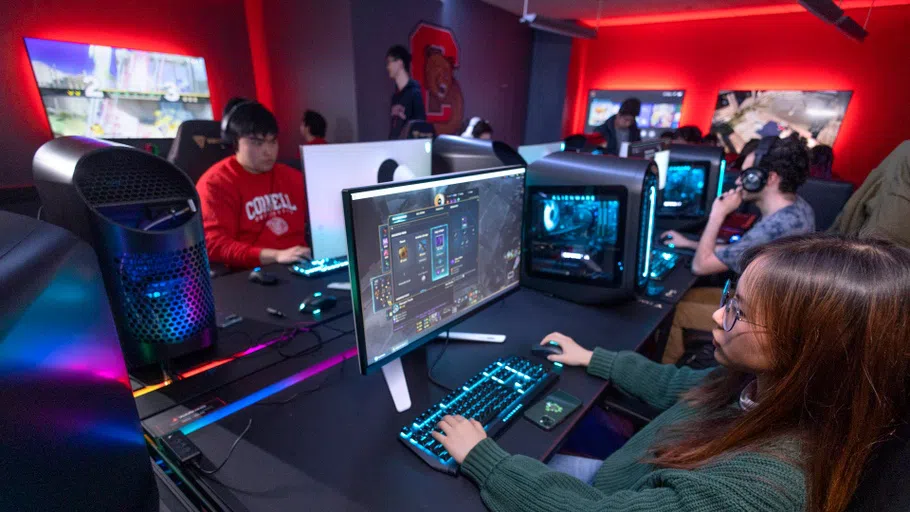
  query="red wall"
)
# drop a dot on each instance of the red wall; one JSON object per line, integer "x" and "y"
{"x": 786, "y": 51}
{"x": 213, "y": 29}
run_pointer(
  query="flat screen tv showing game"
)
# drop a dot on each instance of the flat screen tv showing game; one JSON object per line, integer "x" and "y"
{"x": 660, "y": 110}
{"x": 105, "y": 92}
{"x": 741, "y": 116}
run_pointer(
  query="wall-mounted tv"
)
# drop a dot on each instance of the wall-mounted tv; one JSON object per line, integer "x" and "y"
{"x": 660, "y": 110}
{"x": 105, "y": 92}
{"x": 741, "y": 116}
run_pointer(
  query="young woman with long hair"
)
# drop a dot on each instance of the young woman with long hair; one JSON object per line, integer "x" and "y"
{"x": 814, "y": 344}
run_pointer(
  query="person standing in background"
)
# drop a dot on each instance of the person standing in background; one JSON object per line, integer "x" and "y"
{"x": 313, "y": 128}
{"x": 407, "y": 100}
{"x": 621, "y": 127}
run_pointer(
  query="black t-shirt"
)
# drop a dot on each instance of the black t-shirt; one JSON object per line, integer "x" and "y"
{"x": 407, "y": 105}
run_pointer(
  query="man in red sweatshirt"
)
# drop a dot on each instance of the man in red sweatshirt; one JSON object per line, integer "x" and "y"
{"x": 253, "y": 208}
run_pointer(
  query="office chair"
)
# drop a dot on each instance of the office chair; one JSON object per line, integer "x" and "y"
{"x": 884, "y": 484}
{"x": 827, "y": 198}
{"x": 577, "y": 142}
{"x": 197, "y": 147}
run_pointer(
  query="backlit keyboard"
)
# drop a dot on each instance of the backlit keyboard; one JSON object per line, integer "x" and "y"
{"x": 318, "y": 267}
{"x": 494, "y": 397}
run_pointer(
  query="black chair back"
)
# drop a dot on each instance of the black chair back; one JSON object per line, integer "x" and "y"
{"x": 827, "y": 198}
{"x": 884, "y": 485}
{"x": 197, "y": 147}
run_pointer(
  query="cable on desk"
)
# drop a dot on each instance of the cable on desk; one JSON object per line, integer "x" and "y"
{"x": 305, "y": 352}
{"x": 230, "y": 452}
{"x": 435, "y": 362}
{"x": 306, "y": 392}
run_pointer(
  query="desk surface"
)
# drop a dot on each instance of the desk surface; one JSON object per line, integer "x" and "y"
{"x": 333, "y": 444}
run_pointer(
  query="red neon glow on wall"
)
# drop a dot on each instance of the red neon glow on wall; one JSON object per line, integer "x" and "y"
{"x": 255, "y": 20}
{"x": 783, "y": 51}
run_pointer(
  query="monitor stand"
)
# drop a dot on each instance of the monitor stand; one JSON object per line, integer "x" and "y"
{"x": 413, "y": 367}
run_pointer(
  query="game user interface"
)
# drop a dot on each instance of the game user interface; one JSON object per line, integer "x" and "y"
{"x": 660, "y": 110}
{"x": 741, "y": 116}
{"x": 104, "y": 92}
{"x": 574, "y": 234}
{"x": 428, "y": 253}
{"x": 685, "y": 191}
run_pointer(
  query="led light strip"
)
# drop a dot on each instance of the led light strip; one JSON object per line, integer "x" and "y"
{"x": 268, "y": 391}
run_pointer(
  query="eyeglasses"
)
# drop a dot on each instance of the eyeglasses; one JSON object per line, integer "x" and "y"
{"x": 728, "y": 302}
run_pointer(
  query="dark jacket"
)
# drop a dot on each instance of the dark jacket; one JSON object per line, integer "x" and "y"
{"x": 407, "y": 105}
{"x": 609, "y": 132}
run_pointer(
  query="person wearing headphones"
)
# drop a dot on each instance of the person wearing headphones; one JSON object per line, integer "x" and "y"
{"x": 808, "y": 388}
{"x": 253, "y": 208}
{"x": 773, "y": 173}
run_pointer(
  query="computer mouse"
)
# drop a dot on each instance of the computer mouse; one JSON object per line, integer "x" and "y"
{"x": 318, "y": 303}
{"x": 262, "y": 277}
{"x": 547, "y": 349}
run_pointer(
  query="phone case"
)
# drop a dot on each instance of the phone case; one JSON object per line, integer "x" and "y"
{"x": 551, "y": 411}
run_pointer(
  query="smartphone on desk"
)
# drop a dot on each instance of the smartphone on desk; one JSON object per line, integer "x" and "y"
{"x": 552, "y": 410}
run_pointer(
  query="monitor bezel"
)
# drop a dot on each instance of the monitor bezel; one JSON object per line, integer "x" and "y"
{"x": 622, "y": 193}
{"x": 367, "y": 368}
{"x": 703, "y": 164}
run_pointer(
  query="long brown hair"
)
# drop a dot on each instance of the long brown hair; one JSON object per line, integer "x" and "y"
{"x": 835, "y": 313}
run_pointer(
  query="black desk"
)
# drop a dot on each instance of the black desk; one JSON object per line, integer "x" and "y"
{"x": 337, "y": 448}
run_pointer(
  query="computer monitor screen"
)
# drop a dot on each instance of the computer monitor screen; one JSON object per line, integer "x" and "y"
{"x": 331, "y": 168}
{"x": 425, "y": 254}
{"x": 576, "y": 234}
{"x": 660, "y": 110}
{"x": 533, "y": 152}
{"x": 685, "y": 193}
{"x": 741, "y": 116}
{"x": 104, "y": 92}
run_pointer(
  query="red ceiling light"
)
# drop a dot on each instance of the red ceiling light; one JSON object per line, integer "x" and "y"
{"x": 716, "y": 14}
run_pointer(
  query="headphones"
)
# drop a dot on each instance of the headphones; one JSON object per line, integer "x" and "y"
{"x": 755, "y": 178}
{"x": 226, "y": 133}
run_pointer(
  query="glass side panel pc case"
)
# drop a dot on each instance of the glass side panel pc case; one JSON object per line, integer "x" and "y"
{"x": 589, "y": 226}
{"x": 427, "y": 253}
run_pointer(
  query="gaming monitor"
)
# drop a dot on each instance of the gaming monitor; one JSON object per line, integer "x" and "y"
{"x": 532, "y": 153}
{"x": 104, "y": 92}
{"x": 685, "y": 193}
{"x": 425, "y": 254}
{"x": 660, "y": 110}
{"x": 741, "y": 116}
{"x": 589, "y": 226}
{"x": 331, "y": 168}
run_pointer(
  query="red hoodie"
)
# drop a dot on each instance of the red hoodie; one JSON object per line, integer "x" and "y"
{"x": 243, "y": 213}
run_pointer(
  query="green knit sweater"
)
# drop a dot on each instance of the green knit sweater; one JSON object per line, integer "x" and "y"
{"x": 746, "y": 481}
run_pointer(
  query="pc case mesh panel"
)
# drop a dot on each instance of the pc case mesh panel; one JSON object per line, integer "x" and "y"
{"x": 167, "y": 296}
{"x": 113, "y": 177}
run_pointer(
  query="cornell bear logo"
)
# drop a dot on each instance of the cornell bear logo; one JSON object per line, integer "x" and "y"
{"x": 436, "y": 57}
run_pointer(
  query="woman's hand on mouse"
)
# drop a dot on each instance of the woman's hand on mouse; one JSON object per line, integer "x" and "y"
{"x": 573, "y": 354}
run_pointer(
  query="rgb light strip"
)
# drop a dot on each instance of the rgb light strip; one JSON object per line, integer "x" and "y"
{"x": 268, "y": 391}
{"x": 207, "y": 366}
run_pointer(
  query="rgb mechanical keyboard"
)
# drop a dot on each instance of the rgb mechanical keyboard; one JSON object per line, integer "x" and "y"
{"x": 317, "y": 267}
{"x": 493, "y": 397}
{"x": 662, "y": 263}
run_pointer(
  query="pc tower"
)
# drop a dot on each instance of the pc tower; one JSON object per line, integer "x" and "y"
{"x": 140, "y": 214}
{"x": 457, "y": 154}
{"x": 694, "y": 178}
{"x": 68, "y": 421}
{"x": 589, "y": 226}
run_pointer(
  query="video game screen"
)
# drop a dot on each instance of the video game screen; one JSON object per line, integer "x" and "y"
{"x": 660, "y": 110}
{"x": 741, "y": 116}
{"x": 575, "y": 233}
{"x": 427, "y": 253}
{"x": 104, "y": 92}
{"x": 685, "y": 192}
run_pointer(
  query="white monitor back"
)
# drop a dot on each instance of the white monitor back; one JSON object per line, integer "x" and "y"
{"x": 534, "y": 152}
{"x": 331, "y": 168}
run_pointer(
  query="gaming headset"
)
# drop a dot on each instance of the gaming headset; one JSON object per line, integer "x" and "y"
{"x": 755, "y": 178}
{"x": 227, "y": 134}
